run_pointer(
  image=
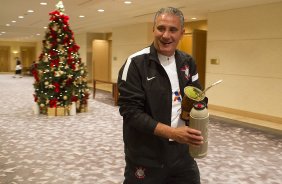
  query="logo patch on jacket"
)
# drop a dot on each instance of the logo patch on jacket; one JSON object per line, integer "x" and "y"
{"x": 176, "y": 96}
{"x": 140, "y": 173}
{"x": 185, "y": 69}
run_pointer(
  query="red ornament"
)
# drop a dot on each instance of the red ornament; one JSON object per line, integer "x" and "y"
{"x": 74, "y": 98}
{"x": 35, "y": 75}
{"x": 57, "y": 87}
{"x": 35, "y": 98}
{"x": 53, "y": 103}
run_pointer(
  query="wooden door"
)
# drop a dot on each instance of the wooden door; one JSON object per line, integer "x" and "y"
{"x": 185, "y": 44}
{"x": 4, "y": 59}
{"x": 195, "y": 45}
{"x": 199, "y": 44}
{"x": 101, "y": 66}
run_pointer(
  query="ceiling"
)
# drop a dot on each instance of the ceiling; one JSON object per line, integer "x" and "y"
{"x": 116, "y": 14}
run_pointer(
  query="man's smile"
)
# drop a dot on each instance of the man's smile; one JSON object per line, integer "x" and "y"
{"x": 165, "y": 43}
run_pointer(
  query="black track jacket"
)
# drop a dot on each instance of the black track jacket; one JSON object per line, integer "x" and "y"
{"x": 146, "y": 99}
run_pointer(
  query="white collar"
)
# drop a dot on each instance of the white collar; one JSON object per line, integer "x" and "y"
{"x": 166, "y": 60}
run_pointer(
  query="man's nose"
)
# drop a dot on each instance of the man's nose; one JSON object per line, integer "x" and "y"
{"x": 166, "y": 34}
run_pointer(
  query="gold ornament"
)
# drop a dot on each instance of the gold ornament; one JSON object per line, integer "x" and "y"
{"x": 57, "y": 73}
{"x": 76, "y": 67}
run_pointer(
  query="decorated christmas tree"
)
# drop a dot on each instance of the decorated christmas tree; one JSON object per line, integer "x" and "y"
{"x": 60, "y": 76}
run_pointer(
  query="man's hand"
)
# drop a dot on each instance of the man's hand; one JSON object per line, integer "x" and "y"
{"x": 183, "y": 135}
{"x": 187, "y": 135}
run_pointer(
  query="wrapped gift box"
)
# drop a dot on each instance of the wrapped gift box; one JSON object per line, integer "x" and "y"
{"x": 64, "y": 111}
{"x": 51, "y": 111}
{"x": 60, "y": 111}
{"x": 84, "y": 108}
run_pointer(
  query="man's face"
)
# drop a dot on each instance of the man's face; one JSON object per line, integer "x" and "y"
{"x": 167, "y": 32}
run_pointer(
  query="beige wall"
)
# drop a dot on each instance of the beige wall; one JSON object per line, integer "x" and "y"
{"x": 81, "y": 41}
{"x": 248, "y": 44}
{"x": 128, "y": 40}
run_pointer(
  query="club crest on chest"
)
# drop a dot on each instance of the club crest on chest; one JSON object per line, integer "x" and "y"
{"x": 185, "y": 69}
{"x": 140, "y": 172}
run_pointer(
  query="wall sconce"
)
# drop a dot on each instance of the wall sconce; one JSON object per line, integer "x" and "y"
{"x": 214, "y": 61}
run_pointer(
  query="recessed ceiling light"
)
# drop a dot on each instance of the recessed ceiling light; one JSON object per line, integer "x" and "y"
{"x": 100, "y": 10}
{"x": 38, "y": 34}
{"x": 3, "y": 32}
{"x": 127, "y": 2}
{"x": 7, "y": 24}
{"x": 30, "y": 11}
{"x": 45, "y": 27}
{"x": 81, "y": 16}
{"x": 43, "y": 3}
{"x": 194, "y": 18}
{"x": 21, "y": 17}
{"x": 13, "y": 21}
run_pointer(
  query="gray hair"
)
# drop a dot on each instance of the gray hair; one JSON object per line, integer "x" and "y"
{"x": 172, "y": 11}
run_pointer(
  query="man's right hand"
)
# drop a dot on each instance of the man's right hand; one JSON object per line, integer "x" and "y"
{"x": 183, "y": 135}
{"x": 187, "y": 135}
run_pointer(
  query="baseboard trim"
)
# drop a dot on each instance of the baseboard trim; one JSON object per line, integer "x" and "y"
{"x": 248, "y": 114}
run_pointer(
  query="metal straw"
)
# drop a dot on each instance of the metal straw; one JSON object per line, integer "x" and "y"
{"x": 203, "y": 92}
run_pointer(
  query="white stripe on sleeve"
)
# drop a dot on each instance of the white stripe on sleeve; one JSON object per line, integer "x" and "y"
{"x": 128, "y": 61}
{"x": 195, "y": 77}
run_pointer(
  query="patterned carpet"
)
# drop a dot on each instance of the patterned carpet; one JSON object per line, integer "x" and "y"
{"x": 88, "y": 148}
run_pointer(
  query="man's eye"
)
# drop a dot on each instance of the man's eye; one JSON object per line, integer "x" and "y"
{"x": 173, "y": 29}
{"x": 161, "y": 29}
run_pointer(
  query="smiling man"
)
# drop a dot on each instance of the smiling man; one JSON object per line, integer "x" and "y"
{"x": 151, "y": 84}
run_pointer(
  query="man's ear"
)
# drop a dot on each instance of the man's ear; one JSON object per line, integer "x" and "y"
{"x": 183, "y": 31}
